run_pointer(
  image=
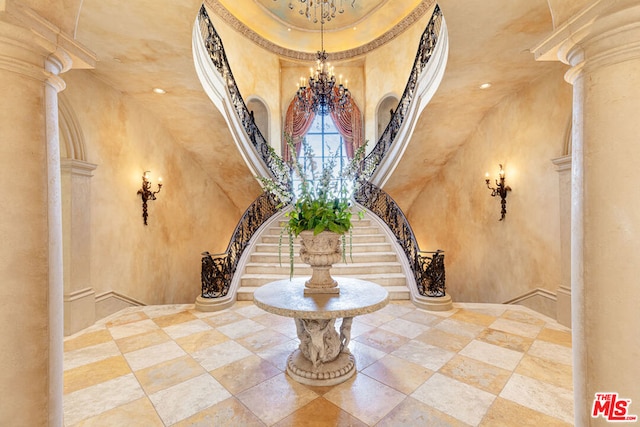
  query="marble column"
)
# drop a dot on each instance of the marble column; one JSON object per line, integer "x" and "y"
{"x": 601, "y": 43}
{"x": 31, "y": 295}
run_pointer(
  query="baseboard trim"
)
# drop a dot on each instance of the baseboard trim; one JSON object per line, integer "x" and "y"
{"x": 538, "y": 292}
{"x": 112, "y": 294}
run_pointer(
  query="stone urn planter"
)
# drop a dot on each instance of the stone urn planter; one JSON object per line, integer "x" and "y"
{"x": 320, "y": 251}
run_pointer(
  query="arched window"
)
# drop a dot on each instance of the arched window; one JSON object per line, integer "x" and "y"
{"x": 326, "y": 144}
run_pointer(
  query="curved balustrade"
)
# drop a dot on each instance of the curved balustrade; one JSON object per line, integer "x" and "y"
{"x": 428, "y": 42}
{"x": 218, "y": 269}
{"x": 428, "y": 270}
{"x": 215, "y": 49}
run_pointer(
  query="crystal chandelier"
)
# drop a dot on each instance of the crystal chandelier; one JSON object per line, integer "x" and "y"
{"x": 322, "y": 95}
{"x": 326, "y": 9}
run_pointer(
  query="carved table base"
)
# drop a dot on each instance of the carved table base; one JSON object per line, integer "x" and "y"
{"x": 323, "y": 357}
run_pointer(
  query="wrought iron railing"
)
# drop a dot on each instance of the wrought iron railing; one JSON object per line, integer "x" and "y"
{"x": 218, "y": 269}
{"x": 428, "y": 267}
{"x": 213, "y": 44}
{"x": 426, "y": 47}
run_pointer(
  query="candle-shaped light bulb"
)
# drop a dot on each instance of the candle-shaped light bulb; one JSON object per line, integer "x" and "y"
{"x": 340, "y": 77}
{"x": 160, "y": 179}
{"x": 486, "y": 175}
{"x": 501, "y": 173}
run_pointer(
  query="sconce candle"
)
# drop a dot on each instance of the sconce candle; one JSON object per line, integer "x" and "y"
{"x": 146, "y": 193}
{"x": 500, "y": 190}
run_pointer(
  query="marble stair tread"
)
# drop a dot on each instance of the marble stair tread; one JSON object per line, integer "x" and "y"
{"x": 395, "y": 293}
{"x": 358, "y": 257}
{"x": 338, "y": 269}
{"x": 386, "y": 279}
{"x": 355, "y": 246}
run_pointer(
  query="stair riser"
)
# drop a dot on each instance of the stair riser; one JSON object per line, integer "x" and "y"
{"x": 275, "y": 231}
{"x": 253, "y": 282}
{"x": 362, "y": 257}
{"x": 337, "y": 269}
{"x": 359, "y": 248}
{"x": 357, "y": 238}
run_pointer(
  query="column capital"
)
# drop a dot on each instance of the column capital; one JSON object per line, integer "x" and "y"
{"x": 602, "y": 34}
{"x": 33, "y": 46}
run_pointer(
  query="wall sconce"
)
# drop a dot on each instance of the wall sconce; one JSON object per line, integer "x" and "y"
{"x": 501, "y": 190}
{"x": 146, "y": 193}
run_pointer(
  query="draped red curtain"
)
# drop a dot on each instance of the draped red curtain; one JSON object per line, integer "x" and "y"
{"x": 296, "y": 124}
{"x": 348, "y": 122}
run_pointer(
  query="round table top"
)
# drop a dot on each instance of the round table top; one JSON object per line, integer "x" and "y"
{"x": 287, "y": 298}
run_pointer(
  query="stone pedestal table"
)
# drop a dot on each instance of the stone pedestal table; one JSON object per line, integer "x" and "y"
{"x": 323, "y": 357}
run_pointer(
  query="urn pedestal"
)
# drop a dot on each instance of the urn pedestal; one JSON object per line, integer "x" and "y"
{"x": 320, "y": 251}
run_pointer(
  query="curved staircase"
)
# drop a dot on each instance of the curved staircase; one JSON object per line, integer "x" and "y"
{"x": 373, "y": 257}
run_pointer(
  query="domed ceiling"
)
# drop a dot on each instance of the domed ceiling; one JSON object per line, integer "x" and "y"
{"x": 279, "y": 26}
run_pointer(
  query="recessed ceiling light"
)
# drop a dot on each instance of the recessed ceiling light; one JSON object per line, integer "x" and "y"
{"x": 485, "y": 85}
{"x": 159, "y": 90}
{"x": 355, "y": 28}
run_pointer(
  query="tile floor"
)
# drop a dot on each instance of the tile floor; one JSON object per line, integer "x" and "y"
{"x": 476, "y": 365}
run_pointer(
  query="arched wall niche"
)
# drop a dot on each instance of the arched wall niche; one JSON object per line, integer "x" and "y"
{"x": 387, "y": 105}
{"x": 75, "y": 173}
{"x": 261, "y": 114}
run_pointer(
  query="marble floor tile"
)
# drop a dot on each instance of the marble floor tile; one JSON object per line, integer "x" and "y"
{"x": 94, "y": 373}
{"x": 492, "y": 354}
{"x": 398, "y": 373}
{"x": 250, "y": 311}
{"x": 474, "y": 317}
{"x": 429, "y": 356}
{"x": 555, "y": 336}
{"x": 365, "y": 398}
{"x": 546, "y": 370}
{"x": 153, "y": 355}
{"x": 457, "y": 327}
{"x": 364, "y": 354}
{"x": 518, "y": 328}
{"x": 262, "y": 339}
{"x": 183, "y": 329}
{"x": 94, "y": 400}
{"x": 174, "y": 319}
{"x": 133, "y": 328}
{"x": 137, "y": 413}
{"x": 358, "y": 328}
{"x": 442, "y": 339}
{"x": 201, "y": 340}
{"x": 505, "y": 339}
{"x": 124, "y": 318}
{"x": 166, "y": 374}
{"x": 550, "y": 351}
{"x": 276, "y": 398}
{"x": 277, "y": 355}
{"x": 376, "y": 319}
{"x": 422, "y": 317}
{"x": 240, "y": 329}
{"x": 495, "y": 310}
{"x": 154, "y": 311}
{"x": 221, "y": 354}
{"x": 382, "y": 340}
{"x": 397, "y": 310}
{"x": 523, "y": 316}
{"x": 540, "y": 396}
{"x": 320, "y": 412}
{"x": 478, "y": 374}
{"x": 187, "y": 398}
{"x": 411, "y": 412}
{"x": 462, "y": 401}
{"x": 223, "y": 318}
{"x": 137, "y": 342}
{"x": 92, "y": 354}
{"x": 229, "y": 412}
{"x": 89, "y": 339}
{"x": 404, "y": 328}
{"x": 270, "y": 320}
{"x": 244, "y": 373}
{"x": 287, "y": 329}
{"x": 505, "y": 413}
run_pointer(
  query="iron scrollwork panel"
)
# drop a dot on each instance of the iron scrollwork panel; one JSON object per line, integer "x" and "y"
{"x": 428, "y": 271}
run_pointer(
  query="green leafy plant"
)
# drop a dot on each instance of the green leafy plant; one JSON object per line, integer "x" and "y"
{"x": 322, "y": 201}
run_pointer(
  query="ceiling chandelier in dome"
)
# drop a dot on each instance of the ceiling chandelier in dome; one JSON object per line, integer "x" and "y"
{"x": 320, "y": 10}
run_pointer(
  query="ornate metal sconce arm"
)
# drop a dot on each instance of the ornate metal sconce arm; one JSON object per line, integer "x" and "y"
{"x": 146, "y": 194}
{"x": 500, "y": 190}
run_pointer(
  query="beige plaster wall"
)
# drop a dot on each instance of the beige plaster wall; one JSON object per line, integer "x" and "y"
{"x": 256, "y": 71}
{"x": 159, "y": 263}
{"x": 489, "y": 260}
{"x": 388, "y": 70}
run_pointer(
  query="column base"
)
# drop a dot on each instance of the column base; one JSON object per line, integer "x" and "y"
{"x": 433, "y": 303}
{"x": 213, "y": 304}
{"x": 326, "y": 374}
